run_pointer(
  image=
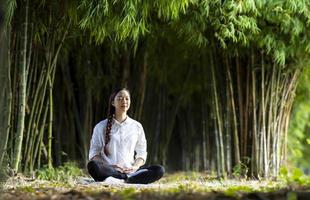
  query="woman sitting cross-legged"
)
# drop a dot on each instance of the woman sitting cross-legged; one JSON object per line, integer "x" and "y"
{"x": 118, "y": 146}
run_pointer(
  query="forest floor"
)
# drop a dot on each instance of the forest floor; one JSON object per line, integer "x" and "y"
{"x": 189, "y": 185}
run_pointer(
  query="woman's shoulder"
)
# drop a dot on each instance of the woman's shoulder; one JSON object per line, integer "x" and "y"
{"x": 135, "y": 122}
{"x": 101, "y": 124}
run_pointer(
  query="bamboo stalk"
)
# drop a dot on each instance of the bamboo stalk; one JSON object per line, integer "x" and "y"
{"x": 29, "y": 56}
{"x": 7, "y": 91}
{"x": 255, "y": 163}
{"x": 41, "y": 100}
{"x": 217, "y": 145}
{"x": 234, "y": 113}
{"x": 50, "y": 123}
{"x": 289, "y": 97}
{"x": 204, "y": 139}
{"x": 228, "y": 130}
{"x": 88, "y": 127}
{"x": 46, "y": 77}
{"x": 51, "y": 77}
{"x": 268, "y": 94}
{"x": 246, "y": 111}
{"x": 14, "y": 92}
{"x": 263, "y": 141}
{"x": 286, "y": 125}
{"x": 285, "y": 81}
{"x": 218, "y": 123}
{"x": 33, "y": 113}
{"x": 275, "y": 122}
{"x": 39, "y": 141}
{"x": 240, "y": 101}
{"x": 35, "y": 118}
{"x": 30, "y": 74}
{"x": 270, "y": 134}
{"x": 9, "y": 126}
{"x": 22, "y": 95}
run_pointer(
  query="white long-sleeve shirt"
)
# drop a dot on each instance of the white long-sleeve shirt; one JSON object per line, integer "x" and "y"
{"x": 126, "y": 138}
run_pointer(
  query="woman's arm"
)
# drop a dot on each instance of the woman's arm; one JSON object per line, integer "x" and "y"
{"x": 140, "y": 148}
{"x": 138, "y": 163}
{"x": 96, "y": 143}
{"x": 141, "y": 153}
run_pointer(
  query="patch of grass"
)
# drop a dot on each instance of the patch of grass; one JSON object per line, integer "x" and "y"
{"x": 187, "y": 176}
{"x": 234, "y": 191}
{"x": 295, "y": 176}
{"x": 28, "y": 189}
{"x": 240, "y": 170}
{"x": 65, "y": 173}
{"x": 128, "y": 194}
{"x": 272, "y": 186}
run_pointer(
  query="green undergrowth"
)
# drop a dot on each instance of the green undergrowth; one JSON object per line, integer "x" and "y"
{"x": 294, "y": 176}
{"x": 187, "y": 176}
{"x": 65, "y": 173}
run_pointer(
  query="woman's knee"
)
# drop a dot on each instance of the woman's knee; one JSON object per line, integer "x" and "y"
{"x": 93, "y": 170}
{"x": 92, "y": 166}
{"x": 98, "y": 170}
{"x": 158, "y": 170}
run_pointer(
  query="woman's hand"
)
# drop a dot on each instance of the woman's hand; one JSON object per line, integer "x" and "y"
{"x": 119, "y": 168}
{"x": 136, "y": 165}
{"x": 131, "y": 169}
{"x": 125, "y": 170}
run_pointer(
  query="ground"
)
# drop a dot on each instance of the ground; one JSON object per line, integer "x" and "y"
{"x": 174, "y": 186}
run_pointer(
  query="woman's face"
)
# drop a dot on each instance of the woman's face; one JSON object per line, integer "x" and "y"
{"x": 121, "y": 101}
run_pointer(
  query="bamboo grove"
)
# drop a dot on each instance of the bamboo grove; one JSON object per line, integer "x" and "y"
{"x": 212, "y": 82}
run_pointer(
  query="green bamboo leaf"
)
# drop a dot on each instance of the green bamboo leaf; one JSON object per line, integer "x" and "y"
{"x": 279, "y": 57}
{"x": 292, "y": 5}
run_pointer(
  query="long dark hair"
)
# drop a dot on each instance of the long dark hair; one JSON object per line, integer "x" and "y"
{"x": 111, "y": 112}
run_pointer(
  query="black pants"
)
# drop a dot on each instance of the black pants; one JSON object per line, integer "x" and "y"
{"x": 100, "y": 171}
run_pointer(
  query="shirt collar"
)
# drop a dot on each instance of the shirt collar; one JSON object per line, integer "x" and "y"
{"x": 127, "y": 120}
